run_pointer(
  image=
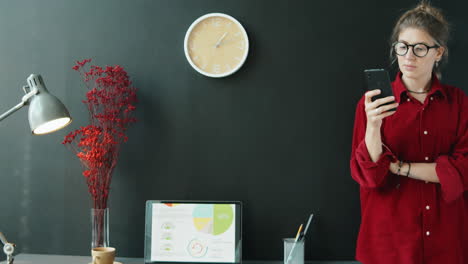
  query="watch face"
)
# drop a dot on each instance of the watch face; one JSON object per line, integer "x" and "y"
{"x": 216, "y": 45}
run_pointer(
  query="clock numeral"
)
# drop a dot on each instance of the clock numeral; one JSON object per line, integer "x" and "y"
{"x": 204, "y": 64}
{"x": 192, "y": 47}
{"x": 229, "y": 24}
{"x": 237, "y": 34}
{"x": 216, "y": 22}
{"x": 241, "y": 46}
{"x": 217, "y": 68}
{"x": 196, "y": 58}
{"x": 237, "y": 59}
{"x": 228, "y": 67}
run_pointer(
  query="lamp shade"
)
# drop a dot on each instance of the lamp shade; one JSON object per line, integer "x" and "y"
{"x": 46, "y": 113}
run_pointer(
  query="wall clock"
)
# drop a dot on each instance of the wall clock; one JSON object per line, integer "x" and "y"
{"x": 216, "y": 45}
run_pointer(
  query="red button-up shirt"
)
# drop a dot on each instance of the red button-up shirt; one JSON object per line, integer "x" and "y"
{"x": 408, "y": 221}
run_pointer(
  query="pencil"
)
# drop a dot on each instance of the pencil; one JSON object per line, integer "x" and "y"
{"x": 298, "y": 233}
{"x": 288, "y": 259}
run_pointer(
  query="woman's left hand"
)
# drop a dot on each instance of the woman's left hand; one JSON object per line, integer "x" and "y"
{"x": 394, "y": 167}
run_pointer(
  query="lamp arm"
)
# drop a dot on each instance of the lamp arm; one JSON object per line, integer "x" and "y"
{"x": 24, "y": 101}
{"x": 12, "y": 110}
{"x": 3, "y": 238}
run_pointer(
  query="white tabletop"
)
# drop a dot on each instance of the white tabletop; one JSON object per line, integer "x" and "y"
{"x": 63, "y": 259}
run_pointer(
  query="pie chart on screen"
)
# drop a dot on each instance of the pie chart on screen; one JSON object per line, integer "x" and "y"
{"x": 213, "y": 219}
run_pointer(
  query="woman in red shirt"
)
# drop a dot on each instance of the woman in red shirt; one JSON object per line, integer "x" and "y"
{"x": 412, "y": 163}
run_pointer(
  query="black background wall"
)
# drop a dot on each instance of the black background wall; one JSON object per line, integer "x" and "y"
{"x": 275, "y": 135}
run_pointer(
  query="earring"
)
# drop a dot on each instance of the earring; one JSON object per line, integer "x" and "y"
{"x": 437, "y": 64}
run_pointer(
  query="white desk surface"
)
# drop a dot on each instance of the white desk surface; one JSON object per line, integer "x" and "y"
{"x": 63, "y": 259}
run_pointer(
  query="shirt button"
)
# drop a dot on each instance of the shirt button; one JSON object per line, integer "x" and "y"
{"x": 426, "y": 158}
{"x": 428, "y": 233}
{"x": 408, "y": 99}
{"x": 428, "y": 207}
{"x": 425, "y": 132}
{"x": 426, "y": 181}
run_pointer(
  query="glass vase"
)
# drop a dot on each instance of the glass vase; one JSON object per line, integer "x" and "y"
{"x": 99, "y": 227}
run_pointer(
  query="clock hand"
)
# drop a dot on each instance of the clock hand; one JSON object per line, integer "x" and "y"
{"x": 220, "y": 39}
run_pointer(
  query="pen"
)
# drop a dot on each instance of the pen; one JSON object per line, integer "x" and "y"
{"x": 303, "y": 234}
{"x": 294, "y": 245}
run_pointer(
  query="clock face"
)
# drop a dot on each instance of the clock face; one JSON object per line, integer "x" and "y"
{"x": 216, "y": 45}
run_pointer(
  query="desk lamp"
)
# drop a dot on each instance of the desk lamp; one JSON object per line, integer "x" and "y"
{"x": 46, "y": 113}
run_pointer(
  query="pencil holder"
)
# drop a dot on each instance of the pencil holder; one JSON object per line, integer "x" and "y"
{"x": 293, "y": 251}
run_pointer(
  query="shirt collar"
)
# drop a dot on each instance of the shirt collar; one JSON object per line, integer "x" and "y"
{"x": 399, "y": 87}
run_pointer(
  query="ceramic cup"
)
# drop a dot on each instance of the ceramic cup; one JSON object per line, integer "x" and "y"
{"x": 103, "y": 255}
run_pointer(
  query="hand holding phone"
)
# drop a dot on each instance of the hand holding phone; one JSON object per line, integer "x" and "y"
{"x": 378, "y": 79}
{"x": 383, "y": 105}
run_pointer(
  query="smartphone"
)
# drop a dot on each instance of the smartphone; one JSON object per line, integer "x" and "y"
{"x": 378, "y": 79}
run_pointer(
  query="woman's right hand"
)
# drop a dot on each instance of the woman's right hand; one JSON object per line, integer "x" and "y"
{"x": 375, "y": 111}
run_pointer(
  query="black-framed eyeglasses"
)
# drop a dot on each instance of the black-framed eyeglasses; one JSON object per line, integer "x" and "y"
{"x": 419, "y": 49}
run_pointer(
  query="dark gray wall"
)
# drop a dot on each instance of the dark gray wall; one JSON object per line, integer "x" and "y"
{"x": 276, "y": 135}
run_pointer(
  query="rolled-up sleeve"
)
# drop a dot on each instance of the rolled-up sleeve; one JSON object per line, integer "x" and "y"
{"x": 364, "y": 171}
{"x": 452, "y": 169}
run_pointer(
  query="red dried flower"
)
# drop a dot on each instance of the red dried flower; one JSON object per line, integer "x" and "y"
{"x": 111, "y": 102}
